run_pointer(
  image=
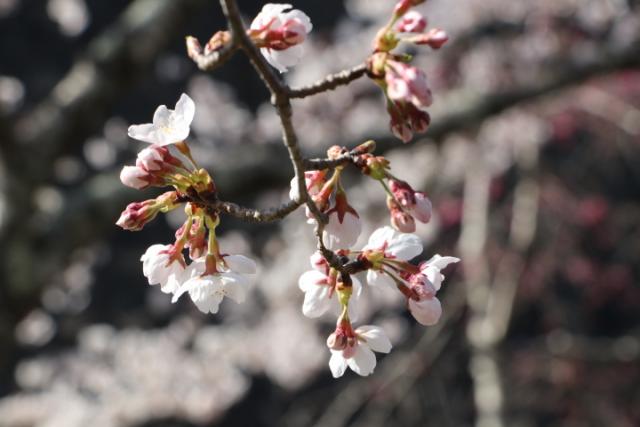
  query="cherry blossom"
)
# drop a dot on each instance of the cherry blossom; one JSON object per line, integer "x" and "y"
{"x": 169, "y": 126}
{"x": 162, "y": 265}
{"x": 319, "y": 286}
{"x": 278, "y": 30}
{"x": 207, "y": 290}
{"x": 354, "y": 349}
{"x": 424, "y": 306}
{"x": 385, "y": 248}
{"x": 344, "y": 225}
{"x": 314, "y": 181}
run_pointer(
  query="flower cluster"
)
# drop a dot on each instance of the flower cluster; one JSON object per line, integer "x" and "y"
{"x": 194, "y": 263}
{"x": 211, "y": 275}
{"x": 406, "y": 87}
{"x": 385, "y": 258}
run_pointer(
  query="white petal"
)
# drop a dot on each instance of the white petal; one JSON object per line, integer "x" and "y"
{"x": 311, "y": 279}
{"x": 337, "y": 364}
{"x": 441, "y": 262}
{"x": 405, "y": 246}
{"x": 268, "y": 55}
{"x": 427, "y": 312}
{"x": 379, "y": 238}
{"x": 161, "y": 117}
{"x": 294, "y": 194}
{"x": 235, "y": 286}
{"x": 185, "y": 109}
{"x": 241, "y": 264}
{"x": 363, "y": 361}
{"x": 145, "y": 132}
{"x": 342, "y": 235}
{"x": 316, "y": 301}
{"x": 300, "y": 16}
{"x": 375, "y": 338}
{"x": 283, "y": 59}
{"x": 379, "y": 279}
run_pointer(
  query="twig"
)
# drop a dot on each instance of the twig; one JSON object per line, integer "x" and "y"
{"x": 330, "y": 82}
{"x": 253, "y": 215}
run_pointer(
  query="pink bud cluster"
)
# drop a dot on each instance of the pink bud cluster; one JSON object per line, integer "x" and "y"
{"x": 406, "y": 87}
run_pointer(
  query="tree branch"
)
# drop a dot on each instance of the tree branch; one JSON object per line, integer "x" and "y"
{"x": 330, "y": 82}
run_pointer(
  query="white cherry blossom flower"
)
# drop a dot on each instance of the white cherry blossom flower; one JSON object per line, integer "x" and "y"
{"x": 426, "y": 308}
{"x": 320, "y": 294}
{"x": 358, "y": 353}
{"x": 386, "y": 244}
{"x": 342, "y": 233}
{"x": 160, "y": 269}
{"x": 169, "y": 126}
{"x": 208, "y": 290}
{"x": 279, "y": 31}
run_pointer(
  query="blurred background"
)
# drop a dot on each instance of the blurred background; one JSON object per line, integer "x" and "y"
{"x": 532, "y": 163}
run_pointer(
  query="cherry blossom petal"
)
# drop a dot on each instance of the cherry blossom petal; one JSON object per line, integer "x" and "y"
{"x": 375, "y": 338}
{"x": 363, "y": 361}
{"x": 380, "y": 279}
{"x": 337, "y": 364}
{"x": 427, "y": 312}
{"x": 241, "y": 264}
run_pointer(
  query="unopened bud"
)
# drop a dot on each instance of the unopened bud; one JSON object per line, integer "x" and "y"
{"x": 365, "y": 148}
{"x": 376, "y": 167}
{"x": 218, "y": 41}
{"x": 137, "y": 214}
{"x": 412, "y": 22}
{"x": 434, "y": 38}
{"x": 194, "y": 48}
{"x": 134, "y": 177}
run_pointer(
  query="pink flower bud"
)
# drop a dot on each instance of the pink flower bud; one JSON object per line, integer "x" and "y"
{"x": 434, "y": 38}
{"x": 151, "y": 158}
{"x": 412, "y": 22}
{"x": 422, "y": 208}
{"x": 404, "y": 5}
{"x": 402, "y": 221}
{"x": 137, "y": 214}
{"x": 135, "y": 177}
{"x": 403, "y": 193}
{"x": 407, "y": 84}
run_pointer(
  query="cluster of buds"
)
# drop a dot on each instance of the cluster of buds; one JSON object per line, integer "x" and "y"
{"x": 210, "y": 275}
{"x": 194, "y": 263}
{"x": 406, "y": 87}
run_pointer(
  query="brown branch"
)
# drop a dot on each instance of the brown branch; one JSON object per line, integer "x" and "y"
{"x": 212, "y": 60}
{"x": 330, "y": 82}
{"x": 252, "y": 215}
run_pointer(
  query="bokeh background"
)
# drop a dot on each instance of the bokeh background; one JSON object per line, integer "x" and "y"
{"x": 532, "y": 163}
